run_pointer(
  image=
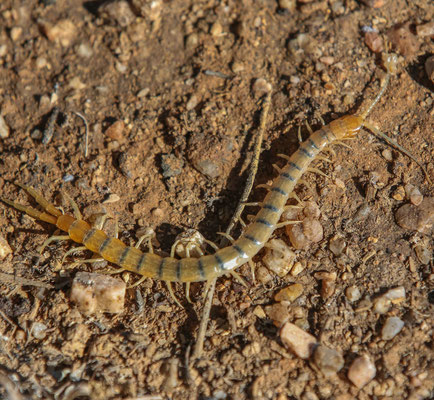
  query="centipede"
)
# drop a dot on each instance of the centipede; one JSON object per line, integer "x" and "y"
{"x": 255, "y": 235}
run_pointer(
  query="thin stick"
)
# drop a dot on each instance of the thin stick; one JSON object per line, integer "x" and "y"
{"x": 198, "y": 347}
{"x": 253, "y": 166}
{"x": 17, "y": 280}
{"x": 86, "y": 136}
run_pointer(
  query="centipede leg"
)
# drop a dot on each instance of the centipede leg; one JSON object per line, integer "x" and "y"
{"x": 187, "y": 292}
{"x": 226, "y": 236}
{"x": 300, "y": 139}
{"x": 141, "y": 280}
{"x": 169, "y": 287}
{"x": 148, "y": 237}
{"x": 46, "y": 205}
{"x": 89, "y": 261}
{"x": 295, "y": 197}
{"x": 74, "y": 206}
{"x": 252, "y": 271}
{"x": 285, "y": 223}
{"x": 238, "y": 278}
{"x": 309, "y": 128}
{"x": 72, "y": 251}
{"x": 52, "y": 239}
{"x": 317, "y": 171}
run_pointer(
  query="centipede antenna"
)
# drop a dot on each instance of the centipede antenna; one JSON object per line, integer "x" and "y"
{"x": 390, "y": 61}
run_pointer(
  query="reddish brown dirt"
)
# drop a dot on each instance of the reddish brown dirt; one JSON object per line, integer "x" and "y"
{"x": 150, "y": 68}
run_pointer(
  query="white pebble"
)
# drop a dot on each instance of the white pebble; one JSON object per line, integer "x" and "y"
{"x": 329, "y": 361}
{"x": 414, "y": 194}
{"x": 382, "y": 305}
{"x": 278, "y": 257}
{"x": 192, "y": 102}
{"x": 261, "y": 87}
{"x": 391, "y": 328}
{"x": 361, "y": 371}
{"x": 297, "y": 340}
{"x": 112, "y": 198}
{"x": 5, "y": 249}
{"x": 84, "y": 50}
{"x": 38, "y": 330}
{"x": 98, "y": 293}
{"x": 4, "y": 129}
{"x": 353, "y": 293}
{"x": 396, "y": 294}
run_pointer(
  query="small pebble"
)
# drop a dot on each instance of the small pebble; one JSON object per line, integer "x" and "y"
{"x": 41, "y": 62}
{"x": 171, "y": 165}
{"x": 263, "y": 275}
{"x": 383, "y": 303}
{"x": 374, "y": 42}
{"x": 328, "y": 283}
{"x": 237, "y": 67}
{"x": 111, "y": 198}
{"x": 68, "y": 178}
{"x": 396, "y": 294}
{"x": 417, "y": 218}
{"x": 429, "y": 68}
{"x": 39, "y": 330}
{"x": 337, "y": 245}
{"x": 216, "y": 29}
{"x": 143, "y": 93}
{"x": 95, "y": 292}
{"x": 278, "y": 313}
{"x": 116, "y": 131}
{"x": 297, "y": 268}
{"x": 4, "y": 129}
{"x": 36, "y": 134}
{"x": 288, "y": 5}
{"x": 63, "y": 32}
{"x": 361, "y": 371}
{"x": 414, "y": 194}
{"x": 391, "y": 328}
{"x": 302, "y": 235}
{"x": 117, "y": 12}
{"x": 5, "y": 249}
{"x": 84, "y": 50}
{"x": 192, "y": 102}
{"x": 423, "y": 254}
{"x": 387, "y": 154}
{"x": 191, "y": 41}
{"x": 208, "y": 168}
{"x": 278, "y": 257}
{"x": 399, "y": 193}
{"x": 311, "y": 209}
{"x": 261, "y": 87}
{"x": 259, "y": 312}
{"x": 289, "y": 293}
{"x": 329, "y": 361}
{"x": 373, "y": 3}
{"x": 15, "y": 33}
{"x": 297, "y": 340}
{"x": 425, "y": 29}
{"x": 353, "y": 293}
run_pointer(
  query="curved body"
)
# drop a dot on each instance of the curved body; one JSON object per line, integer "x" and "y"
{"x": 206, "y": 267}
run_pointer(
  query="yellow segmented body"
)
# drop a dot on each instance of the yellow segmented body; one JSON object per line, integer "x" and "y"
{"x": 224, "y": 260}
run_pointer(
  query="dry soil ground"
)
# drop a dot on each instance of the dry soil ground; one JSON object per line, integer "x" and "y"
{"x": 179, "y": 81}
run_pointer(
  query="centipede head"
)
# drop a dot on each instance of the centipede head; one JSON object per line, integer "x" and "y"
{"x": 347, "y": 126}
